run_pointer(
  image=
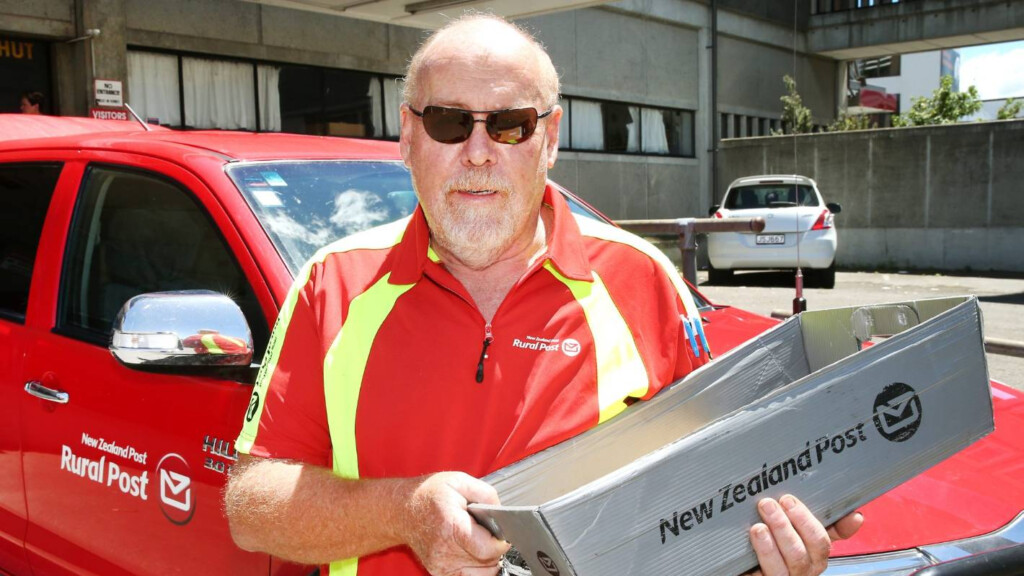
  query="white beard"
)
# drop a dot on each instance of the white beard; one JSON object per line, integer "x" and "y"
{"x": 477, "y": 233}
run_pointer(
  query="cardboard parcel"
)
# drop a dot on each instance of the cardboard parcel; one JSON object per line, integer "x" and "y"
{"x": 670, "y": 486}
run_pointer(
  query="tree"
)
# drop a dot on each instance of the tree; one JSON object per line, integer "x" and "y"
{"x": 795, "y": 115}
{"x": 847, "y": 122}
{"x": 1010, "y": 109}
{"x": 944, "y": 107}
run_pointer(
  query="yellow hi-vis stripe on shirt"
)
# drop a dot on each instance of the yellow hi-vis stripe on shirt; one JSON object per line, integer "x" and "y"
{"x": 344, "y": 366}
{"x": 374, "y": 239}
{"x": 620, "y": 370}
{"x": 210, "y": 344}
{"x": 595, "y": 229}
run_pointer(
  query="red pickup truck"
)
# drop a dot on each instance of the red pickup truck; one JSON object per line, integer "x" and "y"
{"x": 114, "y": 463}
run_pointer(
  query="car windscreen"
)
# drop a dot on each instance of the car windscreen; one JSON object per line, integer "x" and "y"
{"x": 305, "y": 205}
{"x": 780, "y": 195}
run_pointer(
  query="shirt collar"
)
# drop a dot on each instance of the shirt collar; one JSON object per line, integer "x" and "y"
{"x": 565, "y": 245}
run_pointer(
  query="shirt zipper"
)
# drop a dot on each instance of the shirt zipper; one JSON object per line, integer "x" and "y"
{"x": 488, "y": 335}
{"x": 488, "y": 338}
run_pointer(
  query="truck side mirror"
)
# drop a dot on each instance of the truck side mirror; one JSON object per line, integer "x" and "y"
{"x": 184, "y": 329}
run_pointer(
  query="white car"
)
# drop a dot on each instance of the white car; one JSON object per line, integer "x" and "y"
{"x": 799, "y": 228}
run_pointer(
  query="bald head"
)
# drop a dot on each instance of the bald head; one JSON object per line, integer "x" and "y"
{"x": 479, "y": 40}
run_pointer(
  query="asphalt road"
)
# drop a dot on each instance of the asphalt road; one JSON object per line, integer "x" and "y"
{"x": 1002, "y": 301}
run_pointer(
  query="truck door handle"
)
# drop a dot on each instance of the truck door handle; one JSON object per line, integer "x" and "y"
{"x": 37, "y": 389}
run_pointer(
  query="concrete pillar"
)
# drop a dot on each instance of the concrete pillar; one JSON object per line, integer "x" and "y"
{"x": 69, "y": 78}
{"x": 107, "y": 57}
{"x": 704, "y": 127}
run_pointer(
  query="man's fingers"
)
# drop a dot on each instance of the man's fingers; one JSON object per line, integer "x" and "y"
{"x": 787, "y": 539}
{"x": 768, "y": 556}
{"x": 473, "y": 490}
{"x": 482, "y": 545}
{"x": 475, "y": 571}
{"x": 846, "y": 526}
{"x": 813, "y": 535}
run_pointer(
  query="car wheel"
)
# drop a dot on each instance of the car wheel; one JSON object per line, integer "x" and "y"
{"x": 823, "y": 277}
{"x": 718, "y": 275}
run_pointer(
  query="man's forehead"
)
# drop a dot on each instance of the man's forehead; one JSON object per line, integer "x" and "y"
{"x": 469, "y": 76}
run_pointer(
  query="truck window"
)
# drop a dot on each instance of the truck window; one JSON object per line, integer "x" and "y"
{"x": 25, "y": 193}
{"x": 135, "y": 232}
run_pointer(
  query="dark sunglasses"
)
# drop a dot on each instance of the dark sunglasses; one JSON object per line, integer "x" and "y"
{"x": 454, "y": 125}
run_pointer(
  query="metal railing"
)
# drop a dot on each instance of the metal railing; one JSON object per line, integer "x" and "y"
{"x": 686, "y": 229}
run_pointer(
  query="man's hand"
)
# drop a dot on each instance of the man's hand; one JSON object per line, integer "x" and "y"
{"x": 791, "y": 541}
{"x": 447, "y": 540}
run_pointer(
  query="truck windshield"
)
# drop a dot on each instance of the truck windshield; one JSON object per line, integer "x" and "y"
{"x": 305, "y": 205}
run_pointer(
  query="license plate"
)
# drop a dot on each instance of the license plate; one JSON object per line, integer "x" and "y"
{"x": 771, "y": 238}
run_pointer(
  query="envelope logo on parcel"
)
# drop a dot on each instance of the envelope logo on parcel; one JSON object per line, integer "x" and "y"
{"x": 897, "y": 412}
{"x": 176, "y": 499}
{"x": 547, "y": 563}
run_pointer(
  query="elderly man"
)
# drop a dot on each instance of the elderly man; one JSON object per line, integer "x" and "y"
{"x": 412, "y": 359}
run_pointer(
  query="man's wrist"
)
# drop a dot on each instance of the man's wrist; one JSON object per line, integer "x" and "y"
{"x": 398, "y": 507}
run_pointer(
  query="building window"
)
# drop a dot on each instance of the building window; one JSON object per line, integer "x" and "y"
{"x": 623, "y": 128}
{"x": 154, "y": 89}
{"x": 219, "y": 94}
{"x": 881, "y": 67}
{"x": 196, "y": 92}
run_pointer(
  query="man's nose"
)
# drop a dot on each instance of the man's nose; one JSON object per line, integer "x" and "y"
{"x": 479, "y": 149}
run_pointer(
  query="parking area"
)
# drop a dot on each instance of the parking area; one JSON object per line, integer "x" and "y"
{"x": 1002, "y": 301}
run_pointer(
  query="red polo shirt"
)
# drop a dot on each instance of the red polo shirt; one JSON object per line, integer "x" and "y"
{"x": 420, "y": 406}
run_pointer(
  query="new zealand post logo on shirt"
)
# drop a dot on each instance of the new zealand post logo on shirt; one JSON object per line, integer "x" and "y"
{"x": 568, "y": 346}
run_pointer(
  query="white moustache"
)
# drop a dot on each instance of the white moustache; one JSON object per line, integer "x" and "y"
{"x": 478, "y": 181}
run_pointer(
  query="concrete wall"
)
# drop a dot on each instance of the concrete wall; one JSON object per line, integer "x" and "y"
{"x": 742, "y": 92}
{"x": 942, "y": 197}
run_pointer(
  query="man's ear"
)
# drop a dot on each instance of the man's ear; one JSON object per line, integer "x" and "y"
{"x": 405, "y": 135}
{"x": 551, "y": 132}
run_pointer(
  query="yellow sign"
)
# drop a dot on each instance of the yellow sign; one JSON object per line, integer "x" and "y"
{"x": 16, "y": 49}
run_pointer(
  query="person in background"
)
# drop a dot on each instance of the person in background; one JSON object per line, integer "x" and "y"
{"x": 31, "y": 102}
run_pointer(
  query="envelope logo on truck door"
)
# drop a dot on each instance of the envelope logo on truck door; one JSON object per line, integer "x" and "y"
{"x": 897, "y": 412}
{"x": 174, "y": 490}
{"x": 176, "y": 498}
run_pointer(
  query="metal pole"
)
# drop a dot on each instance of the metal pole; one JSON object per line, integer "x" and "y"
{"x": 687, "y": 230}
{"x": 715, "y": 124}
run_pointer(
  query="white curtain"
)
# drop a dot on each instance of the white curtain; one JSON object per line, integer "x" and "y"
{"x": 587, "y": 126}
{"x": 391, "y": 103}
{"x": 563, "y": 124}
{"x": 633, "y": 136}
{"x": 219, "y": 94}
{"x": 270, "y": 97}
{"x": 376, "y": 106}
{"x": 655, "y": 139}
{"x": 153, "y": 87}
{"x": 393, "y": 88}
